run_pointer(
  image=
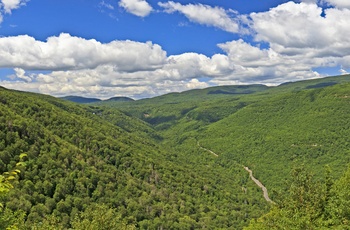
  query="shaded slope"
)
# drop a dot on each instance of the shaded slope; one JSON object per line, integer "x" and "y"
{"x": 82, "y": 100}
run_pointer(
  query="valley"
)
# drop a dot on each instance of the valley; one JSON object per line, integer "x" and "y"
{"x": 257, "y": 182}
{"x": 179, "y": 161}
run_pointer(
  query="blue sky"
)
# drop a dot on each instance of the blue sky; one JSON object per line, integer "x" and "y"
{"x": 139, "y": 48}
{"x": 96, "y": 19}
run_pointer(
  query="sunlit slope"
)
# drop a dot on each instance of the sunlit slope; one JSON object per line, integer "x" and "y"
{"x": 309, "y": 126}
{"x": 165, "y": 111}
{"x": 305, "y": 121}
{"x": 211, "y": 104}
{"x": 80, "y": 156}
{"x": 313, "y": 83}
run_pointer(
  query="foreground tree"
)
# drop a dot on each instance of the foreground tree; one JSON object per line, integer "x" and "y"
{"x": 310, "y": 204}
{"x": 10, "y": 220}
{"x": 303, "y": 208}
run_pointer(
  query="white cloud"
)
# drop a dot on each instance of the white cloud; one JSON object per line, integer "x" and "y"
{"x": 195, "y": 84}
{"x": 103, "y": 82}
{"x": 6, "y": 6}
{"x": 299, "y": 37}
{"x": 339, "y": 3}
{"x": 90, "y": 68}
{"x": 294, "y": 29}
{"x": 20, "y": 73}
{"x": 300, "y": 33}
{"x": 204, "y": 14}
{"x": 10, "y": 5}
{"x": 68, "y": 52}
{"x": 252, "y": 64}
{"x": 139, "y": 8}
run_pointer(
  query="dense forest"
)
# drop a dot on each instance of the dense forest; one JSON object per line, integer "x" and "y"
{"x": 81, "y": 161}
{"x": 177, "y": 161}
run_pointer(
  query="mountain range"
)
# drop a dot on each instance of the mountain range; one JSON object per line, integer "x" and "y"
{"x": 178, "y": 161}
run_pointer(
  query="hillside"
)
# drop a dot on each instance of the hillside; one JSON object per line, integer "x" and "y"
{"x": 84, "y": 100}
{"x": 177, "y": 161}
{"x": 86, "y": 160}
{"x": 81, "y": 100}
{"x": 214, "y": 103}
{"x": 272, "y": 135}
{"x": 270, "y": 131}
{"x": 278, "y": 126}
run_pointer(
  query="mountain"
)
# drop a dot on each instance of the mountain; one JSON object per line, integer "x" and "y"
{"x": 84, "y": 100}
{"x": 83, "y": 161}
{"x": 120, "y": 99}
{"x": 81, "y": 100}
{"x": 178, "y": 161}
{"x": 274, "y": 126}
{"x": 272, "y": 131}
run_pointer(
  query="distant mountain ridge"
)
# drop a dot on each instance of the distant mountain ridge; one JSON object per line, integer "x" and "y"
{"x": 176, "y": 161}
{"x": 223, "y": 91}
{"x": 86, "y": 100}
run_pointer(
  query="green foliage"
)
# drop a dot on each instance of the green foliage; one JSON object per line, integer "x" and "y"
{"x": 271, "y": 134}
{"x": 10, "y": 220}
{"x": 309, "y": 204}
{"x": 144, "y": 167}
{"x": 100, "y": 217}
{"x": 81, "y": 157}
{"x": 339, "y": 202}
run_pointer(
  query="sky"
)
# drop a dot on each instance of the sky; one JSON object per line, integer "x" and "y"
{"x": 146, "y": 48}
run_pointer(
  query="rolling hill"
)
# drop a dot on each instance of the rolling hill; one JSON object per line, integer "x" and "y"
{"x": 177, "y": 161}
{"x": 82, "y": 161}
{"x": 84, "y": 100}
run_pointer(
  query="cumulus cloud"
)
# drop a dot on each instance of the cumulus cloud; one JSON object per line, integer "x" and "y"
{"x": 6, "y": 6}
{"x": 300, "y": 37}
{"x": 304, "y": 36}
{"x": 20, "y": 73}
{"x": 251, "y": 64}
{"x": 204, "y": 14}
{"x": 103, "y": 82}
{"x": 339, "y": 3}
{"x": 68, "y": 52}
{"x": 296, "y": 38}
{"x": 74, "y": 65}
{"x": 139, "y": 8}
{"x": 9, "y": 5}
{"x": 293, "y": 28}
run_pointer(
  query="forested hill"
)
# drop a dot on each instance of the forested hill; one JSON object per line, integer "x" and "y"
{"x": 177, "y": 161}
{"x": 269, "y": 130}
{"x": 90, "y": 167}
{"x": 84, "y": 100}
{"x": 287, "y": 135}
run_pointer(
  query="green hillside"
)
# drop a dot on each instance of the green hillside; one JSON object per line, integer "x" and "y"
{"x": 164, "y": 111}
{"x": 176, "y": 161}
{"x": 309, "y": 126}
{"x": 212, "y": 104}
{"x": 272, "y": 131}
{"x": 89, "y": 166}
{"x": 84, "y": 100}
{"x": 269, "y": 129}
